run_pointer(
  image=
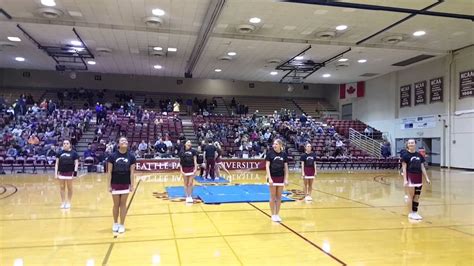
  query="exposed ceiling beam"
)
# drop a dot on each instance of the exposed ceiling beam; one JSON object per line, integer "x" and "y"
{"x": 213, "y": 12}
{"x": 334, "y": 3}
{"x": 397, "y": 23}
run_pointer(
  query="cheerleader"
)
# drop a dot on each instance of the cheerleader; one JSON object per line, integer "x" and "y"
{"x": 121, "y": 169}
{"x": 413, "y": 172}
{"x": 277, "y": 176}
{"x": 67, "y": 163}
{"x": 188, "y": 166}
{"x": 308, "y": 170}
{"x": 219, "y": 162}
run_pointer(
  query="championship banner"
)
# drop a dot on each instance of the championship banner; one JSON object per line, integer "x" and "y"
{"x": 420, "y": 92}
{"x": 163, "y": 165}
{"x": 466, "y": 84}
{"x": 436, "y": 90}
{"x": 405, "y": 96}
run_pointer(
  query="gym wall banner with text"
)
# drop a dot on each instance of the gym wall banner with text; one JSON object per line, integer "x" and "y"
{"x": 163, "y": 165}
{"x": 436, "y": 90}
{"x": 466, "y": 84}
{"x": 405, "y": 96}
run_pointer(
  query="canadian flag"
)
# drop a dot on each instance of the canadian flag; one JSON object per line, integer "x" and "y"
{"x": 352, "y": 90}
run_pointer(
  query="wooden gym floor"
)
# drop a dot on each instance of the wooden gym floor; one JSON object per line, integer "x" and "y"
{"x": 355, "y": 219}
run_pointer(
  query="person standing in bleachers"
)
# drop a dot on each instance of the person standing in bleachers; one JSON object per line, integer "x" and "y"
{"x": 277, "y": 176}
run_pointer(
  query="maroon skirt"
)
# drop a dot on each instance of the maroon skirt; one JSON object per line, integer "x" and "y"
{"x": 188, "y": 171}
{"x": 415, "y": 179}
{"x": 309, "y": 172}
{"x": 278, "y": 180}
{"x": 65, "y": 175}
{"x": 120, "y": 189}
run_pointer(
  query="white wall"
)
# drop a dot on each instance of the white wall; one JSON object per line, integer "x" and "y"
{"x": 52, "y": 79}
{"x": 380, "y": 107}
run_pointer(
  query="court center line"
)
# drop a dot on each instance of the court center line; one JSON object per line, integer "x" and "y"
{"x": 301, "y": 236}
{"x": 223, "y": 237}
{"x": 3, "y": 190}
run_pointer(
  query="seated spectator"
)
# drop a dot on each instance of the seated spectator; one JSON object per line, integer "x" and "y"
{"x": 89, "y": 152}
{"x": 160, "y": 147}
{"x": 143, "y": 147}
{"x": 33, "y": 140}
{"x": 12, "y": 152}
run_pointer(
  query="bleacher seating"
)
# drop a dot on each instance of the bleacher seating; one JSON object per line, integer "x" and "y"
{"x": 342, "y": 127}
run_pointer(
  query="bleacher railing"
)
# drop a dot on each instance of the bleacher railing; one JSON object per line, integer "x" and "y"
{"x": 367, "y": 144}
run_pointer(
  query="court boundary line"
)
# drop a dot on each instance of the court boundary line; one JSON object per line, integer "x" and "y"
{"x": 174, "y": 236}
{"x": 216, "y": 211}
{"x": 223, "y": 237}
{"x": 111, "y": 247}
{"x": 236, "y": 235}
{"x": 301, "y": 236}
{"x": 14, "y": 191}
{"x": 107, "y": 255}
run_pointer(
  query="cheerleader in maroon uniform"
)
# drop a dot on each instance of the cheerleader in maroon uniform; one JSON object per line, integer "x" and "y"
{"x": 277, "y": 176}
{"x": 413, "y": 172}
{"x": 308, "y": 170}
{"x": 121, "y": 169}
{"x": 67, "y": 163}
{"x": 188, "y": 166}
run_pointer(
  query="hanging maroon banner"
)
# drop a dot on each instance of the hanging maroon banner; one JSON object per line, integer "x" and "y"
{"x": 436, "y": 90}
{"x": 420, "y": 92}
{"x": 466, "y": 84}
{"x": 163, "y": 165}
{"x": 405, "y": 96}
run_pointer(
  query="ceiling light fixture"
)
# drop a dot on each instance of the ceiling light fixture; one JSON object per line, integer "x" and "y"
{"x": 341, "y": 27}
{"x": 170, "y": 49}
{"x": 326, "y": 75}
{"x": 157, "y": 48}
{"x": 20, "y": 59}
{"x": 299, "y": 57}
{"x": 343, "y": 60}
{"x": 273, "y": 73}
{"x": 218, "y": 70}
{"x": 76, "y": 43}
{"x": 231, "y": 53}
{"x": 158, "y": 12}
{"x": 157, "y": 67}
{"x": 48, "y": 2}
{"x": 419, "y": 33}
{"x": 362, "y": 61}
{"x": 14, "y": 39}
{"x": 91, "y": 62}
{"x": 255, "y": 20}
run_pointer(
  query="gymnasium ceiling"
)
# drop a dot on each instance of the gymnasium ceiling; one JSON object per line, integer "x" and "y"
{"x": 285, "y": 30}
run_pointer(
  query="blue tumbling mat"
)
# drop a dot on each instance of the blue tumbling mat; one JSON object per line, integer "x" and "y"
{"x": 227, "y": 194}
{"x": 202, "y": 180}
